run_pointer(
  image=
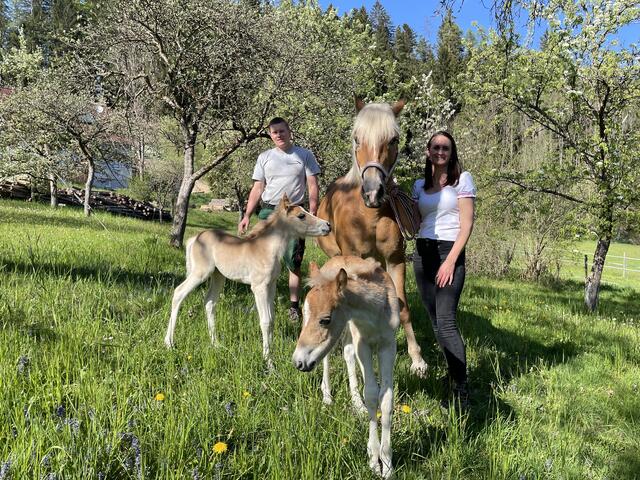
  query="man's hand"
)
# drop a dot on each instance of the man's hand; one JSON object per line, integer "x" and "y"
{"x": 242, "y": 226}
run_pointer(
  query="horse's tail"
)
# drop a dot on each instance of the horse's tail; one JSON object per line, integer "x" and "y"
{"x": 188, "y": 253}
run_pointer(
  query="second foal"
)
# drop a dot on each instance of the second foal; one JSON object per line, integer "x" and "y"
{"x": 253, "y": 260}
{"x": 357, "y": 294}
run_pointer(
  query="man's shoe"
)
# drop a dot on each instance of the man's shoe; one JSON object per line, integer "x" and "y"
{"x": 295, "y": 315}
{"x": 459, "y": 399}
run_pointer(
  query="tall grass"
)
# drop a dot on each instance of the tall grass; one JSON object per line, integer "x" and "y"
{"x": 87, "y": 389}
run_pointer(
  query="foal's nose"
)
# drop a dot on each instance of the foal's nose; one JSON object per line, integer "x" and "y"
{"x": 303, "y": 366}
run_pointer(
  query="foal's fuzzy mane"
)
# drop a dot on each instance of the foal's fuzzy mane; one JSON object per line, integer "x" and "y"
{"x": 374, "y": 124}
{"x": 326, "y": 275}
{"x": 262, "y": 225}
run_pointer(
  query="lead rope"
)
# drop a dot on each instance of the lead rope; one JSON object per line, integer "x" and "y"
{"x": 405, "y": 211}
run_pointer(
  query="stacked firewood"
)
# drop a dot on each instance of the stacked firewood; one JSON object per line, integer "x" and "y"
{"x": 111, "y": 202}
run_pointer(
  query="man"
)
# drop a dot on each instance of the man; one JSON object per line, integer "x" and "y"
{"x": 289, "y": 169}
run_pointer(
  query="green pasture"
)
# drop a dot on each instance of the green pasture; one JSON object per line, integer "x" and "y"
{"x": 88, "y": 390}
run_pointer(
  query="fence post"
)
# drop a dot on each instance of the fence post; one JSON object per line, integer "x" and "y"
{"x": 586, "y": 261}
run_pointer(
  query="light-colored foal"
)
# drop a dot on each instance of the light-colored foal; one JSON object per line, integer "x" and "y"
{"x": 350, "y": 291}
{"x": 253, "y": 260}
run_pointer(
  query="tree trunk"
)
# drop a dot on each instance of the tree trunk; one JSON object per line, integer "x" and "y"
{"x": 179, "y": 224}
{"x": 181, "y": 210}
{"x": 141, "y": 156}
{"x": 87, "y": 188}
{"x": 53, "y": 190}
{"x": 592, "y": 282}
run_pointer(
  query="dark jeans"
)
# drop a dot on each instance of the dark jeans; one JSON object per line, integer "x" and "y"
{"x": 442, "y": 303}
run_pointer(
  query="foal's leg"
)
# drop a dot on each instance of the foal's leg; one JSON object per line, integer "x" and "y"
{"x": 265, "y": 296}
{"x": 371, "y": 392}
{"x": 386, "y": 360}
{"x": 215, "y": 287}
{"x": 349, "y": 354}
{"x": 182, "y": 290}
{"x": 325, "y": 386}
{"x": 397, "y": 273}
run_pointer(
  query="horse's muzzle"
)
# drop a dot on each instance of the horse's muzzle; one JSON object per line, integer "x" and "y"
{"x": 373, "y": 195}
{"x": 304, "y": 366}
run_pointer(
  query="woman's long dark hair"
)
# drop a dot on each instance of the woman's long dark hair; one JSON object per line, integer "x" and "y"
{"x": 454, "y": 168}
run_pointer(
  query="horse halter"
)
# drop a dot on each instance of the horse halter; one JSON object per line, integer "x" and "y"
{"x": 386, "y": 174}
{"x": 378, "y": 166}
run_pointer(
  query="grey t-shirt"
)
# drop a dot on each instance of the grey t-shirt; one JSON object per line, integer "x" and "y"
{"x": 285, "y": 172}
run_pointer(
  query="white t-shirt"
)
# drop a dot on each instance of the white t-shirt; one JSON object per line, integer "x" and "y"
{"x": 439, "y": 211}
{"x": 285, "y": 172}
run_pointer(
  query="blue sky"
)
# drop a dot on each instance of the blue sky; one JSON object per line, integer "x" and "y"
{"x": 421, "y": 15}
{"x": 424, "y": 18}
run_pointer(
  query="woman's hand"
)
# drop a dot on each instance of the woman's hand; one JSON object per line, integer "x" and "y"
{"x": 444, "y": 276}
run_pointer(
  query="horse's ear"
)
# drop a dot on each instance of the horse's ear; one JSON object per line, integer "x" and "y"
{"x": 398, "y": 106}
{"x": 313, "y": 268}
{"x": 341, "y": 280}
{"x": 284, "y": 203}
{"x": 359, "y": 103}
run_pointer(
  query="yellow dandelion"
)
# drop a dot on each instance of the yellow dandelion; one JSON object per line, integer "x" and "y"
{"x": 159, "y": 397}
{"x": 379, "y": 414}
{"x": 220, "y": 447}
{"x": 246, "y": 394}
{"x": 345, "y": 440}
{"x": 189, "y": 357}
{"x": 405, "y": 408}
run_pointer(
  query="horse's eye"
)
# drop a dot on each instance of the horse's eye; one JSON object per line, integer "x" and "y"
{"x": 302, "y": 216}
{"x": 324, "y": 321}
{"x": 394, "y": 141}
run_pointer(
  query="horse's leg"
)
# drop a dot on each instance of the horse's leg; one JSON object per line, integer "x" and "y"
{"x": 215, "y": 287}
{"x": 386, "y": 360}
{"x": 371, "y": 393}
{"x": 397, "y": 272}
{"x": 349, "y": 354}
{"x": 181, "y": 291}
{"x": 264, "y": 296}
{"x": 325, "y": 386}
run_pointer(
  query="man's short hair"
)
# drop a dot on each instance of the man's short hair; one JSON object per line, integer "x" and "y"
{"x": 277, "y": 120}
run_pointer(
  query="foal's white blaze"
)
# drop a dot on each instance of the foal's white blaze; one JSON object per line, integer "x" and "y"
{"x": 254, "y": 260}
{"x": 358, "y": 294}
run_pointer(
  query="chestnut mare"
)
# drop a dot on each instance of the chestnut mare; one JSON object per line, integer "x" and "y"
{"x": 356, "y": 205}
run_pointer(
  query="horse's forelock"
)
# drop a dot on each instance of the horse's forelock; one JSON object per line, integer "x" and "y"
{"x": 375, "y": 124}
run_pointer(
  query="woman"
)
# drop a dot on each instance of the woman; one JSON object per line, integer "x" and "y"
{"x": 445, "y": 198}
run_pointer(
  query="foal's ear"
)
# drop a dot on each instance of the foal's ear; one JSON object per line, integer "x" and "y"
{"x": 284, "y": 203}
{"x": 398, "y": 106}
{"x": 341, "y": 280}
{"x": 313, "y": 268}
{"x": 359, "y": 103}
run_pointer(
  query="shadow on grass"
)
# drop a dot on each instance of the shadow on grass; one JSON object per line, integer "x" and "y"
{"x": 568, "y": 294}
{"x": 19, "y": 320}
{"x": 38, "y": 218}
{"x": 100, "y": 273}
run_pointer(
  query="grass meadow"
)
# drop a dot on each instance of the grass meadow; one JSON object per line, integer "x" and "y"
{"x": 88, "y": 390}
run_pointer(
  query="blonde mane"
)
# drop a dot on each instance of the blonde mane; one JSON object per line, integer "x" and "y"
{"x": 375, "y": 124}
{"x": 262, "y": 225}
{"x": 365, "y": 268}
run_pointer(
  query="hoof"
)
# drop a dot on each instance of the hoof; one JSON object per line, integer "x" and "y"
{"x": 168, "y": 343}
{"x": 358, "y": 406}
{"x": 387, "y": 471}
{"x": 270, "y": 366}
{"x": 327, "y": 399}
{"x": 420, "y": 369}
